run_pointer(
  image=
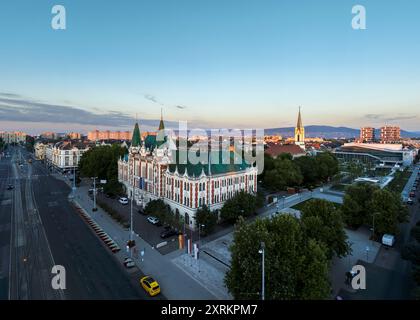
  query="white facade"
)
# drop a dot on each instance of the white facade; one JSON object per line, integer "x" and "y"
{"x": 40, "y": 150}
{"x": 65, "y": 154}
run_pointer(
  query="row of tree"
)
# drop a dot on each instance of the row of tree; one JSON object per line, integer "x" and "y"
{"x": 297, "y": 254}
{"x": 284, "y": 171}
{"x": 102, "y": 162}
{"x": 380, "y": 208}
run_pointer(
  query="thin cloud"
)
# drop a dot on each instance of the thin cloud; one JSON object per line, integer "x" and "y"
{"x": 396, "y": 117}
{"x": 27, "y": 110}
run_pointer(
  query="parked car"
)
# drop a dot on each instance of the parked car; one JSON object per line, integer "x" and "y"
{"x": 150, "y": 285}
{"x": 10, "y": 187}
{"x": 410, "y": 201}
{"x": 153, "y": 220}
{"x": 123, "y": 200}
{"x": 412, "y": 194}
{"x": 168, "y": 233}
{"x": 129, "y": 263}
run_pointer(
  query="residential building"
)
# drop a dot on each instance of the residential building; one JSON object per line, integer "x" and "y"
{"x": 13, "y": 136}
{"x": 390, "y": 134}
{"x": 40, "y": 150}
{"x": 65, "y": 155}
{"x": 152, "y": 170}
{"x": 74, "y": 135}
{"x": 367, "y": 134}
{"x": 108, "y": 135}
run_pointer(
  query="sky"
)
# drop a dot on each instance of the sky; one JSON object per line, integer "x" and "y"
{"x": 213, "y": 63}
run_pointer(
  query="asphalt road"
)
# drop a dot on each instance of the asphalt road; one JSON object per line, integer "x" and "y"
{"x": 46, "y": 231}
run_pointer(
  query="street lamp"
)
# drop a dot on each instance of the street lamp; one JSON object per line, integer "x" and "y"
{"x": 199, "y": 245}
{"x": 131, "y": 223}
{"x": 262, "y": 252}
{"x": 94, "y": 194}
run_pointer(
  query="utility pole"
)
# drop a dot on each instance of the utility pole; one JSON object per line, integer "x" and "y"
{"x": 94, "y": 194}
{"x": 262, "y": 252}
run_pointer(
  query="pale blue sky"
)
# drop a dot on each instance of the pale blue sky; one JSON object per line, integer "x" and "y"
{"x": 229, "y": 63}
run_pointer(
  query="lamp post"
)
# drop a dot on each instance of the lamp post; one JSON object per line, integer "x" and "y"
{"x": 262, "y": 252}
{"x": 131, "y": 223}
{"x": 199, "y": 245}
{"x": 94, "y": 194}
{"x": 373, "y": 226}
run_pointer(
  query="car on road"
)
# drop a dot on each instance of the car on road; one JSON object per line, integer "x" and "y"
{"x": 129, "y": 263}
{"x": 10, "y": 187}
{"x": 412, "y": 194}
{"x": 410, "y": 201}
{"x": 153, "y": 220}
{"x": 123, "y": 200}
{"x": 150, "y": 285}
{"x": 168, "y": 233}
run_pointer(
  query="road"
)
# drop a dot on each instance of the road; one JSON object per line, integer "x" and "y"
{"x": 39, "y": 228}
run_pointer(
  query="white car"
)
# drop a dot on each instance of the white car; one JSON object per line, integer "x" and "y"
{"x": 129, "y": 263}
{"x": 153, "y": 220}
{"x": 123, "y": 200}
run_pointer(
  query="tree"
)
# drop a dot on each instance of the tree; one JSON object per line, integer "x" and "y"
{"x": 324, "y": 223}
{"x": 102, "y": 162}
{"x": 242, "y": 204}
{"x": 356, "y": 205}
{"x": 326, "y": 165}
{"x": 205, "y": 219}
{"x": 159, "y": 209}
{"x": 389, "y": 212}
{"x": 295, "y": 267}
{"x": 284, "y": 173}
{"x": 307, "y": 166}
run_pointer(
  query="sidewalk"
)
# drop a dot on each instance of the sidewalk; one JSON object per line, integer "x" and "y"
{"x": 175, "y": 284}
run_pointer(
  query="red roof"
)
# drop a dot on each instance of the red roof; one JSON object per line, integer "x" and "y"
{"x": 275, "y": 150}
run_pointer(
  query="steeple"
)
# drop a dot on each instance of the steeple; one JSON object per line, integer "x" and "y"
{"x": 300, "y": 132}
{"x": 161, "y": 124}
{"x": 136, "y": 138}
{"x": 299, "y": 122}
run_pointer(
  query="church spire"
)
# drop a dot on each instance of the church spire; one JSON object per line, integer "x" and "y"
{"x": 299, "y": 122}
{"x": 161, "y": 124}
{"x": 136, "y": 138}
{"x": 300, "y": 132}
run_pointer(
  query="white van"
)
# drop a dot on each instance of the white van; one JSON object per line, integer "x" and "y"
{"x": 388, "y": 240}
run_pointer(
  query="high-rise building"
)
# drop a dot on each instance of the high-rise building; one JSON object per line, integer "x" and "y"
{"x": 300, "y": 132}
{"x": 390, "y": 134}
{"x": 367, "y": 134}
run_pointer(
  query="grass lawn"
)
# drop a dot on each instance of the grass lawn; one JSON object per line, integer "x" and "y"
{"x": 300, "y": 206}
{"x": 400, "y": 180}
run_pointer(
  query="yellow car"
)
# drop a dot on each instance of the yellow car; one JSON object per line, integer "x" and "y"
{"x": 150, "y": 285}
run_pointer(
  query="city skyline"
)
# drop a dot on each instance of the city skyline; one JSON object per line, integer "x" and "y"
{"x": 252, "y": 64}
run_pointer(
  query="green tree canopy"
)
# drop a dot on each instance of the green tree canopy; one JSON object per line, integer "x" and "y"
{"x": 207, "y": 218}
{"x": 323, "y": 222}
{"x": 295, "y": 267}
{"x": 242, "y": 204}
{"x": 102, "y": 162}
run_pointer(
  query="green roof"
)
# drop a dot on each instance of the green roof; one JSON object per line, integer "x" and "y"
{"x": 136, "y": 139}
{"x": 216, "y": 167}
{"x": 153, "y": 141}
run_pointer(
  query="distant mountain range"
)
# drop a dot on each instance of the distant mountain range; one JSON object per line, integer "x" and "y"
{"x": 330, "y": 132}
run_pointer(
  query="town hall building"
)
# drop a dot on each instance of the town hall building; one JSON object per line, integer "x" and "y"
{"x": 151, "y": 171}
